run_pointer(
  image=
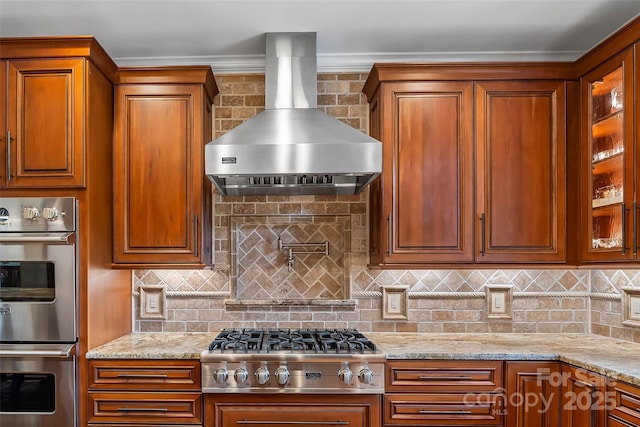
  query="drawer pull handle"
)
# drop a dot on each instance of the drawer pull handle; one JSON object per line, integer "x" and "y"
{"x": 583, "y": 384}
{"x": 127, "y": 409}
{"x": 313, "y": 423}
{"x": 142, "y": 377}
{"x": 463, "y": 377}
{"x": 427, "y": 412}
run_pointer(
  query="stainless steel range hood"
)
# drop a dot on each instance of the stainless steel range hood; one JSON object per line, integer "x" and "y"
{"x": 291, "y": 147}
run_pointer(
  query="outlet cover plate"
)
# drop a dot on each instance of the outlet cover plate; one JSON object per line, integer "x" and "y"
{"x": 631, "y": 306}
{"x": 395, "y": 300}
{"x": 152, "y": 302}
{"x": 499, "y": 298}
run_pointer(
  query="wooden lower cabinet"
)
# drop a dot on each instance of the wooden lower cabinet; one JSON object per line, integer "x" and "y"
{"x": 584, "y": 398}
{"x": 227, "y": 410}
{"x": 533, "y": 394}
{"x": 625, "y": 405}
{"x": 144, "y": 393}
{"x": 443, "y": 393}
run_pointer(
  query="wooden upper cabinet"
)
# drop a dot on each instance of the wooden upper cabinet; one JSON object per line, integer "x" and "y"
{"x": 609, "y": 194}
{"x": 521, "y": 172}
{"x": 44, "y": 135}
{"x": 3, "y": 123}
{"x": 162, "y": 198}
{"x": 474, "y": 165}
{"x": 422, "y": 205}
{"x": 48, "y": 87}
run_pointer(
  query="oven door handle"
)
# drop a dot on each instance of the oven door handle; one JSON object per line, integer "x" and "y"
{"x": 64, "y": 239}
{"x": 62, "y": 352}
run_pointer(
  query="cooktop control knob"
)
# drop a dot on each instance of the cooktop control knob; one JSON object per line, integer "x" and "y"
{"x": 31, "y": 214}
{"x": 262, "y": 374}
{"x": 241, "y": 375}
{"x": 282, "y": 374}
{"x": 365, "y": 375}
{"x": 220, "y": 375}
{"x": 344, "y": 374}
{"x": 50, "y": 214}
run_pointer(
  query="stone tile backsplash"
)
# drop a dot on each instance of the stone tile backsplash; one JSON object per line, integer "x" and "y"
{"x": 251, "y": 278}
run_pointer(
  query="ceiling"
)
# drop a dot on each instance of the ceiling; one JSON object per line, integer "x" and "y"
{"x": 351, "y": 34}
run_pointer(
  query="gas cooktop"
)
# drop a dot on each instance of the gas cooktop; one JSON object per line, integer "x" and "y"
{"x": 292, "y": 361}
{"x": 310, "y": 341}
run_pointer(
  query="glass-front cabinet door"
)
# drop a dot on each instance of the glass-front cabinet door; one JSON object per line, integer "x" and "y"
{"x": 609, "y": 193}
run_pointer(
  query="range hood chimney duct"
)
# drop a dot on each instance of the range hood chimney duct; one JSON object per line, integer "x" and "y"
{"x": 292, "y": 147}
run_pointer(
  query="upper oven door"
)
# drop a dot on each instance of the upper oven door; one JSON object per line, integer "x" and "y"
{"x": 37, "y": 287}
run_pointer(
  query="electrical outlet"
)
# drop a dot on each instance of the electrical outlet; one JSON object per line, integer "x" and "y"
{"x": 635, "y": 306}
{"x": 153, "y": 302}
{"x": 394, "y": 304}
{"x": 497, "y": 302}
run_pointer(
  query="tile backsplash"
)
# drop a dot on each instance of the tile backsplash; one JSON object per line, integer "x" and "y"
{"x": 252, "y": 283}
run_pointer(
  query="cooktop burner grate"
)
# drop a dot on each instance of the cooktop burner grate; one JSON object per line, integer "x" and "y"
{"x": 314, "y": 341}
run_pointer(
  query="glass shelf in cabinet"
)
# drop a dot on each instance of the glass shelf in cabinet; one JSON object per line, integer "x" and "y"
{"x": 610, "y": 165}
{"x": 612, "y": 211}
{"x": 611, "y": 124}
{"x": 607, "y": 201}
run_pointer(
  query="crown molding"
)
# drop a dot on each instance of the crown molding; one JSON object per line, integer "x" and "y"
{"x": 347, "y": 63}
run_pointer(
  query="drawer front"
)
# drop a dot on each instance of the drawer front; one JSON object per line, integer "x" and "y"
{"x": 627, "y": 403}
{"x": 477, "y": 409}
{"x": 151, "y": 408}
{"x": 144, "y": 375}
{"x": 614, "y": 421}
{"x": 444, "y": 376}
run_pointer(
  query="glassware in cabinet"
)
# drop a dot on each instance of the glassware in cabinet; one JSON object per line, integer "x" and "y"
{"x": 608, "y": 210}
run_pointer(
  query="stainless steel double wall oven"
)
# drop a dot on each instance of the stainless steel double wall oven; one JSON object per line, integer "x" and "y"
{"x": 38, "y": 312}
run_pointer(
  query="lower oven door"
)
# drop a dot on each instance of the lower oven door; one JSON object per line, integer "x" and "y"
{"x": 37, "y": 385}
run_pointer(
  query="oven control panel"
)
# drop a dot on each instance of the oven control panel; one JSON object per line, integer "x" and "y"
{"x": 37, "y": 214}
{"x": 293, "y": 376}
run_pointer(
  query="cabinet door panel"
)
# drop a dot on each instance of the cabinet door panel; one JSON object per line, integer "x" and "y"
{"x": 607, "y": 161}
{"x": 521, "y": 171}
{"x": 584, "y": 398}
{"x": 533, "y": 394}
{"x": 431, "y": 215}
{"x": 46, "y": 123}
{"x": 3, "y": 123}
{"x": 157, "y": 160}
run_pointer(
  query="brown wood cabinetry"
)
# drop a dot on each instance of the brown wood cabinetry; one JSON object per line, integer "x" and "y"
{"x": 609, "y": 154}
{"x": 423, "y": 205}
{"x": 520, "y": 171}
{"x": 625, "y": 405}
{"x": 533, "y": 394}
{"x": 443, "y": 393}
{"x": 584, "y": 398}
{"x": 432, "y": 127}
{"x": 286, "y": 410}
{"x": 162, "y": 201}
{"x": 44, "y": 113}
{"x": 144, "y": 392}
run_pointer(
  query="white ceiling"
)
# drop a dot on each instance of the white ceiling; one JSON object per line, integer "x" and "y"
{"x": 351, "y": 34}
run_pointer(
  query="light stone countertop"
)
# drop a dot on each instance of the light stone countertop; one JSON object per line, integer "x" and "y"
{"x": 615, "y": 358}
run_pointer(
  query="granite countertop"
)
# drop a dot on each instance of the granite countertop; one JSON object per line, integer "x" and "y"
{"x": 615, "y": 358}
